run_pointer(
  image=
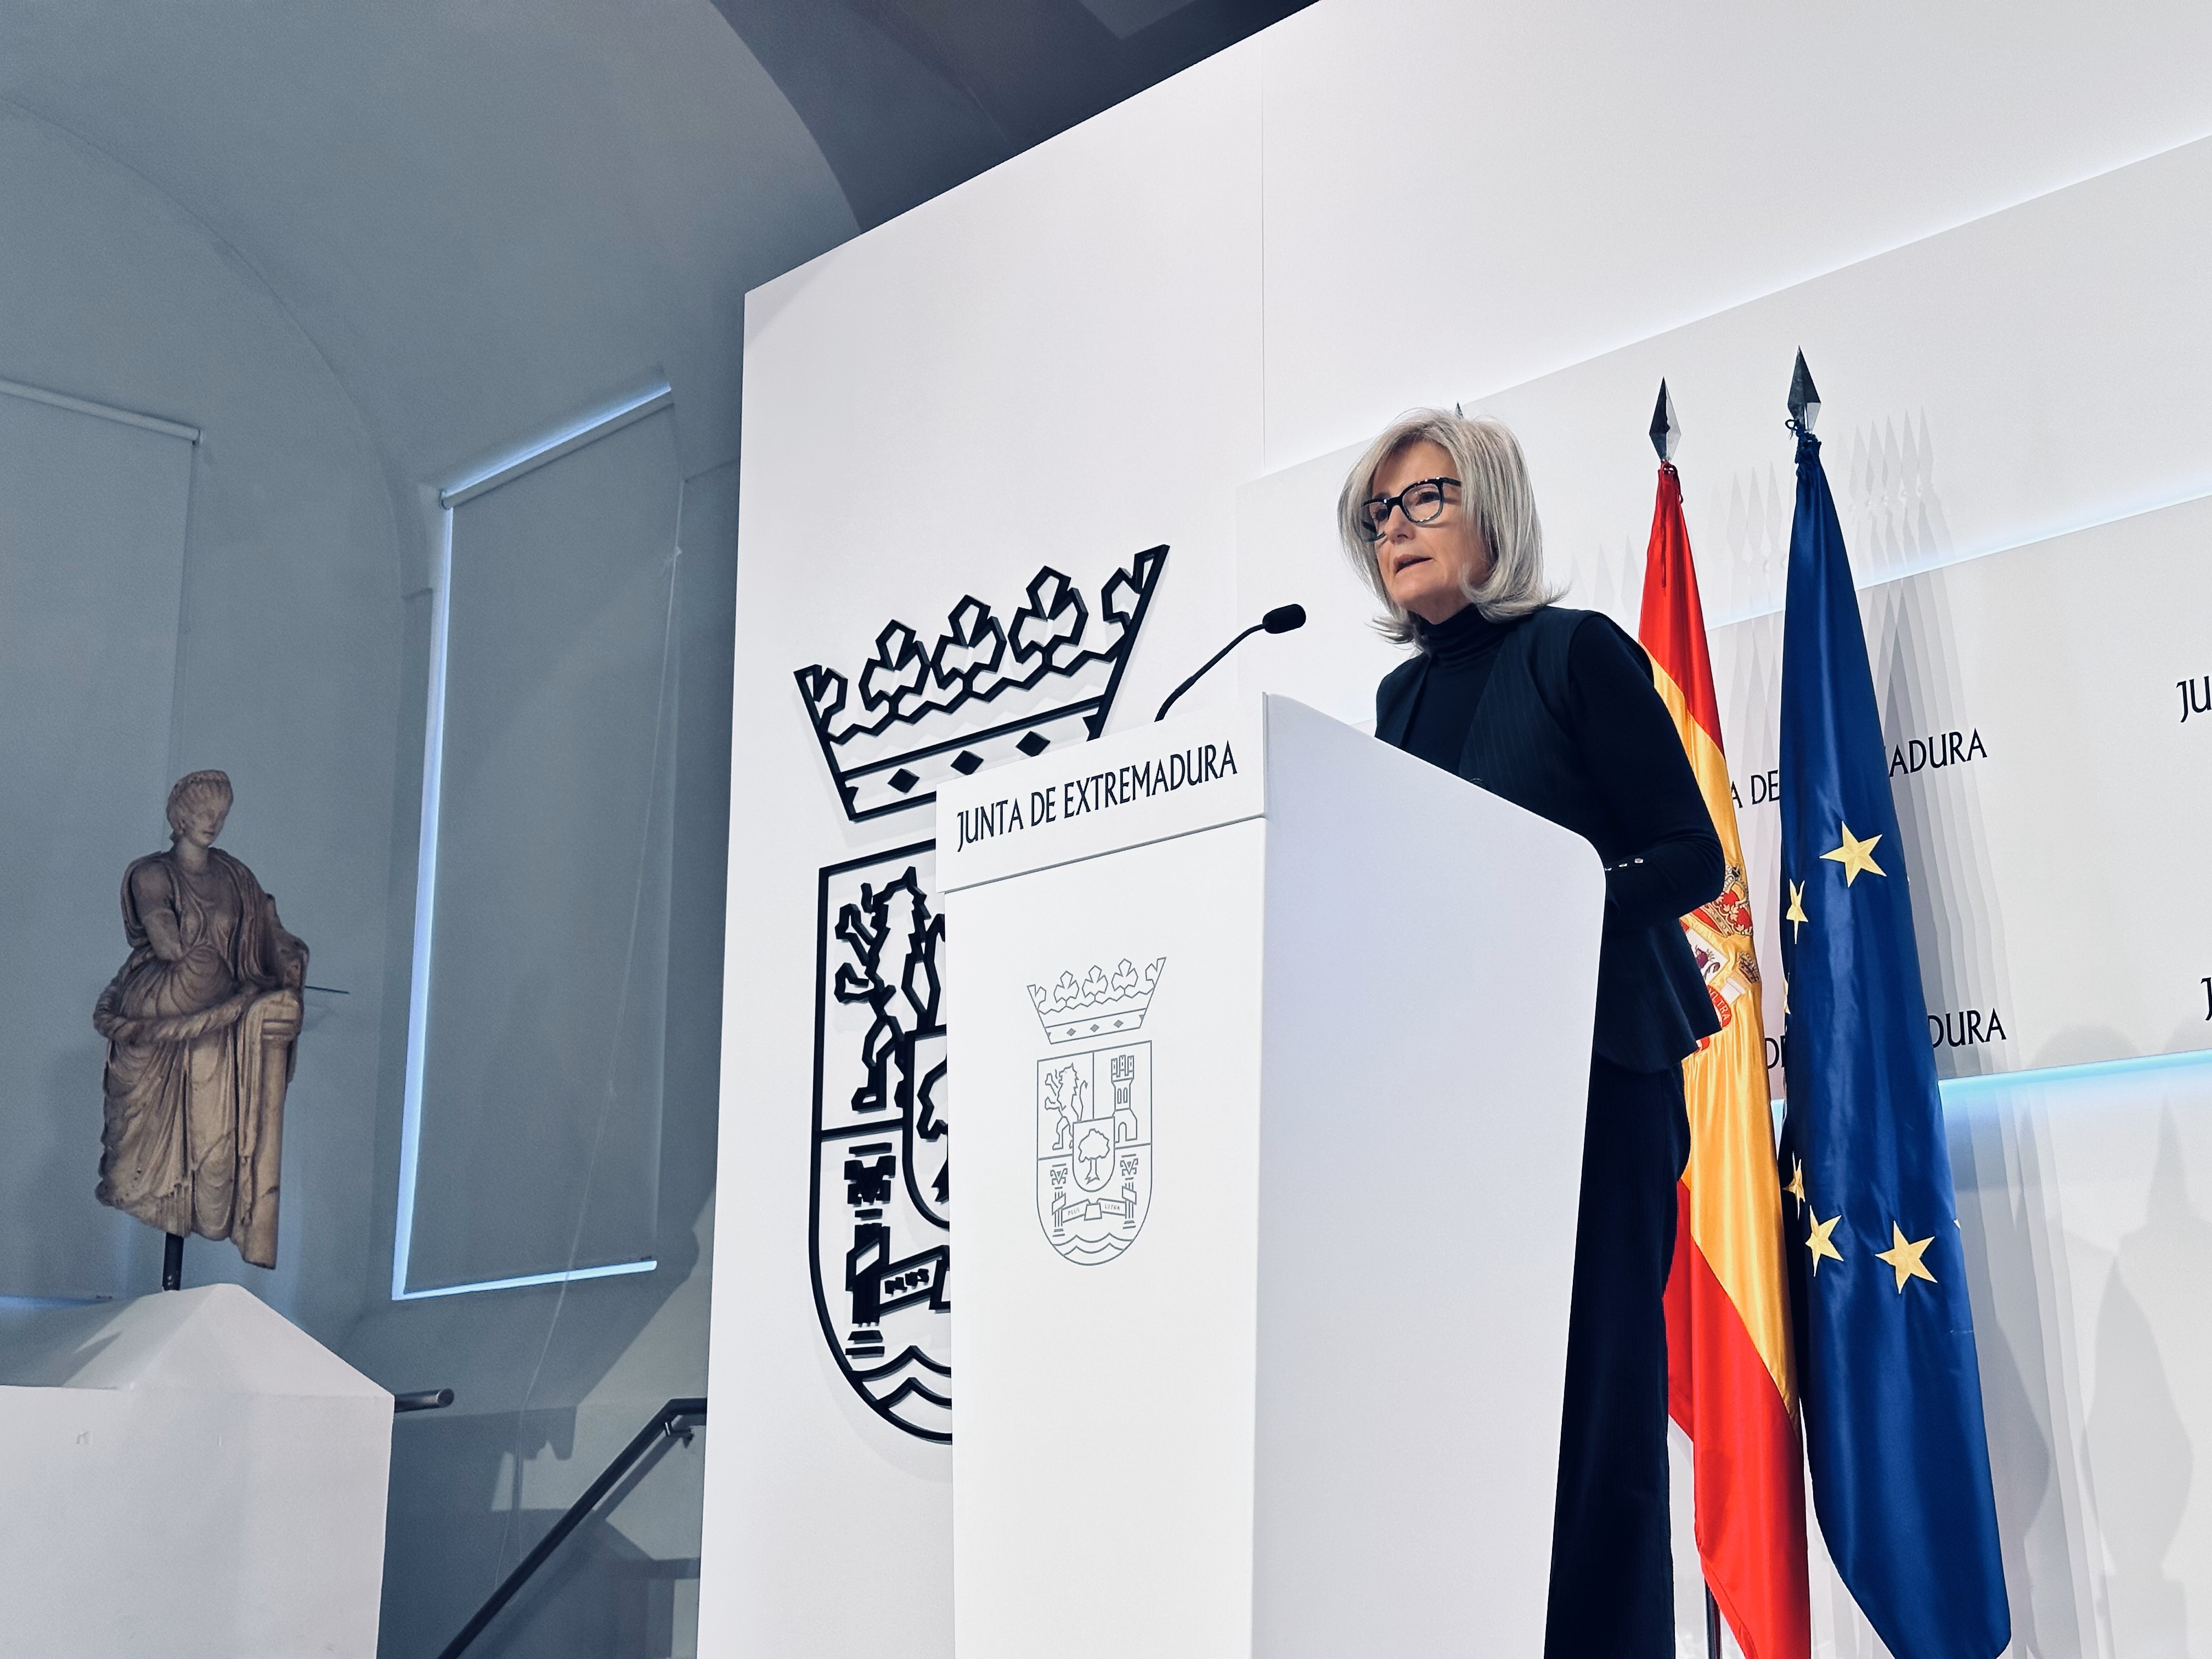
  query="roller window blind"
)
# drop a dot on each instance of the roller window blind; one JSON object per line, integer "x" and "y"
{"x": 538, "y": 1062}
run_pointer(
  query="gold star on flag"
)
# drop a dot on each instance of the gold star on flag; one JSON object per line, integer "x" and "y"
{"x": 1856, "y": 855}
{"x": 1796, "y": 1186}
{"x": 1820, "y": 1244}
{"x": 1795, "y": 915}
{"x": 1904, "y": 1257}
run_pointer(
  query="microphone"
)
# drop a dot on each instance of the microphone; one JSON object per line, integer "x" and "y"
{"x": 1281, "y": 620}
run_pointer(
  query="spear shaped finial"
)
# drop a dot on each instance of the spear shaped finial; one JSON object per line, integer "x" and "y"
{"x": 1666, "y": 430}
{"x": 1804, "y": 396}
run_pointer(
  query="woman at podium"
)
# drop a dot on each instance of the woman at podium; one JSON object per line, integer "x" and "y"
{"x": 1554, "y": 709}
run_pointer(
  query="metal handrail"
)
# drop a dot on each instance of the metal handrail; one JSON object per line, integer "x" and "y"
{"x": 674, "y": 1419}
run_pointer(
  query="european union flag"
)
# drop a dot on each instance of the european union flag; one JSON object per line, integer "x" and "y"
{"x": 1891, "y": 1393}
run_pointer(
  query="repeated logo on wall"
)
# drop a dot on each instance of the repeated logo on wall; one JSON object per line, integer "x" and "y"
{"x": 879, "y": 1222}
{"x": 1936, "y": 751}
{"x": 1966, "y": 1028}
{"x": 880, "y": 1242}
{"x": 1913, "y": 763}
{"x": 1908, "y": 757}
{"x": 986, "y": 691}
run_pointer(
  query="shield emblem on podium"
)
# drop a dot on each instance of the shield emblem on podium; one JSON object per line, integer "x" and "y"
{"x": 1094, "y": 1151}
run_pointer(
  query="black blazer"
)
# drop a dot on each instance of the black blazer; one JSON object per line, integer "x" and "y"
{"x": 1652, "y": 1005}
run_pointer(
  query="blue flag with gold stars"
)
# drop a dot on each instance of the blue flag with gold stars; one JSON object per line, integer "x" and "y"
{"x": 1891, "y": 1393}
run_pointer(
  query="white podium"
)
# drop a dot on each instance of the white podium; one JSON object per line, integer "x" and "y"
{"x": 1270, "y": 1045}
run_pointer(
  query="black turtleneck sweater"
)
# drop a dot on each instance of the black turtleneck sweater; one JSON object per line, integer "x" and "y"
{"x": 1630, "y": 749}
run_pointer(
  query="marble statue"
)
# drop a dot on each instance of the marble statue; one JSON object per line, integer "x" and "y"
{"x": 201, "y": 1024}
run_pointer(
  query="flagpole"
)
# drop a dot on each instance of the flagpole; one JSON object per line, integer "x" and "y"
{"x": 1666, "y": 432}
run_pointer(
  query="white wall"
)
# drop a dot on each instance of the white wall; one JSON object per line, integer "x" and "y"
{"x": 285, "y": 632}
{"x": 362, "y": 248}
{"x": 92, "y": 557}
{"x": 1386, "y": 204}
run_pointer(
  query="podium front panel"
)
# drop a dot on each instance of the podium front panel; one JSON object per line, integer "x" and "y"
{"x": 1431, "y": 972}
{"x": 1106, "y": 1017}
{"x": 1270, "y": 1082}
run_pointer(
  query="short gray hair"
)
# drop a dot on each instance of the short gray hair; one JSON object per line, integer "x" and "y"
{"x": 1493, "y": 484}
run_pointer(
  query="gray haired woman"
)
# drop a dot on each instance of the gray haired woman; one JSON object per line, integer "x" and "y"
{"x": 1554, "y": 709}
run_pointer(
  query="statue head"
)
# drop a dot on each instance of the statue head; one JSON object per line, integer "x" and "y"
{"x": 199, "y": 803}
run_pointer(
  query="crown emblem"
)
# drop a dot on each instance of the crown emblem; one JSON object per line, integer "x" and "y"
{"x": 985, "y": 692}
{"x": 1101, "y": 1004}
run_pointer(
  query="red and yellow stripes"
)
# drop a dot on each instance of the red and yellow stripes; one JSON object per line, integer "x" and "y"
{"x": 1730, "y": 1383}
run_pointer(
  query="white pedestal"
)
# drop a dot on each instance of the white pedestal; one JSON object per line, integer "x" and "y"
{"x": 1281, "y": 1375}
{"x": 188, "y": 1476}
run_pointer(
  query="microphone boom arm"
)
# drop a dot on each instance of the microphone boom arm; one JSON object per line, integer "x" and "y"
{"x": 1256, "y": 628}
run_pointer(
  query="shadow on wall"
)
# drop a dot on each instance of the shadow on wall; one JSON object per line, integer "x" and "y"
{"x": 2088, "y": 1259}
{"x": 1956, "y": 913}
{"x": 2134, "y": 1426}
{"x": 1893, "y": 516}
{"x": 1896, "y": 519}
{"x": 1755, "y": 535}
{"x": 619, "y": 1587}
{"x": 2020, "y": 1297}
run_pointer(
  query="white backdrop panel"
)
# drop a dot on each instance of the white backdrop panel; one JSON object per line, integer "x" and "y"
{"x": 933, "y": 410}
{"x": 2086, "y": 1201}
{"x": 1462, "y": 197}
{"x": 1967, "y": 410}
{"x": 2040, "y": 764}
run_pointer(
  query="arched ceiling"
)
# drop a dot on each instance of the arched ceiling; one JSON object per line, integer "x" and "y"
{"x": 489, "y": 215}
{"x": 907, "y": 98}
{"x": 485, "y": 214}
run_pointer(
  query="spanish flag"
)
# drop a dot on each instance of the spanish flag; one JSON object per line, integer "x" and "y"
{"x": 1731, "y": 1386}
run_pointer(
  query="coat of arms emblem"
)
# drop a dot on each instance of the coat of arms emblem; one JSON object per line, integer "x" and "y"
{"x": 880, "y": 1227}
{"x": 989, "y": 690}
{"x": 1094, "y": 1115}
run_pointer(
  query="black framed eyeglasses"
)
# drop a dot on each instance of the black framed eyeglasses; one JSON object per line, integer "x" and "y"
{"x": 1422, "y": 502}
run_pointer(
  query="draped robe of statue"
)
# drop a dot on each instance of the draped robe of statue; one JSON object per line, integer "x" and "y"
{"x": 199, "y": 1051}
